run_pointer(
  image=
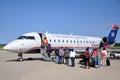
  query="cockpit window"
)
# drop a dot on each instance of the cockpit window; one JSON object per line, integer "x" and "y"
{"x": 22, "y": 37}
{"x": 31, "y": 37}
{"x": 27, "y": 37}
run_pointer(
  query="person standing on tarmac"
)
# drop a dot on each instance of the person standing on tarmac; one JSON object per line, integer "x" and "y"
{"x": 103, "y": 56}
{"x": 99, "y": 58}
{"x": 87, "y": 58}
{"x": 60, "y": 55}
{"x": 72, "y": 57}
{"x": 94, "y": 56}
{"x": 66, "y": 55}
{"x": 57, "y": 56}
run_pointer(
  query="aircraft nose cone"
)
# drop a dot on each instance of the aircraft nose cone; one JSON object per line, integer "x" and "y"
{"x": 6, "y": 47}
{"x": 14, "y": 46}
{"x": 10, "y": 47}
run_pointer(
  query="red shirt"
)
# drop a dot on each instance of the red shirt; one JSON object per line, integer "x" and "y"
{"x": 94, "y": 53}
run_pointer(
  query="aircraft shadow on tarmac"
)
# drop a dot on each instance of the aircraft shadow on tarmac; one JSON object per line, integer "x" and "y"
{"x": 27, "y": 59}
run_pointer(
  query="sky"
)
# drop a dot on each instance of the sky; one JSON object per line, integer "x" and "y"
{"x": 77, "y": 17}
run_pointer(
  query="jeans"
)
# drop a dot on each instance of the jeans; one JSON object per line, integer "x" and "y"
{"x": 72, "y": 61}
{"x": 67, "y": 60}
{"x": 87, "y": 62}
{"x": 56, "y": 59}
{"x": 95, "y": 59}
{"x": 99, "y": 62}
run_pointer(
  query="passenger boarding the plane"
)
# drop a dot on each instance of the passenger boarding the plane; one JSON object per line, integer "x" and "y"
{"x": 48, "y": 49}
{"x": 52, "y": 56}
{"x": 45, "y": 42}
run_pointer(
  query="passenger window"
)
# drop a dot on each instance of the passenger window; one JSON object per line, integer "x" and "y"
{"x": 86, "y": 41}
{"x": 80, "y": 41}
{"x": 54, "y": 40}
{"x": 74, "y": 41}
{"x": 58, "y": 40}
{"x": 67, "y": 41}
{"x": 90, "y": 42}
{"x": 63, "y": 41}
{"x": 50, "y": 40}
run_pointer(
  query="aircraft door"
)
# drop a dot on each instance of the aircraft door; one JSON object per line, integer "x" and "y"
{"x": 42, "y": 36}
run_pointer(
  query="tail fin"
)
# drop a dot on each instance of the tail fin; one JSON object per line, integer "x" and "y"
{"x": 113, "y": 33}
{"x": 110, "y": 39}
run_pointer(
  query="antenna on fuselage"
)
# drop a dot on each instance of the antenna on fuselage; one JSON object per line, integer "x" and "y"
{"x": 46, "y": 32}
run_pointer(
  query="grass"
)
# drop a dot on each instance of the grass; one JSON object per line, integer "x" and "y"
{"x": 116, "y": 47}
{"x": 1, "y": 47}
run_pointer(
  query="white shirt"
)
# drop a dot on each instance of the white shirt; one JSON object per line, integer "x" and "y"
{"x": 104, "y": 51}
{"x": 72, "y": 53}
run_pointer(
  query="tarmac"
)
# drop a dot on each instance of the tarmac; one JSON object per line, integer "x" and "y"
{"x": 38, "y": 69}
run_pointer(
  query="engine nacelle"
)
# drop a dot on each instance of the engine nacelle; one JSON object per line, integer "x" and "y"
{"x": 107, "y": 41}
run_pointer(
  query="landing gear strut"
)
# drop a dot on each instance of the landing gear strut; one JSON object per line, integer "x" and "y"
{"x": 20, "y": 57}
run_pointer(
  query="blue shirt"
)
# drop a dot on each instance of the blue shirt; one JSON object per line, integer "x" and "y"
{"x": 60, "y": 52}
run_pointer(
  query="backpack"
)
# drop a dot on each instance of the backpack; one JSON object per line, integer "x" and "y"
{"x": 87, "y": 55}
{"x": 103, "y": 54}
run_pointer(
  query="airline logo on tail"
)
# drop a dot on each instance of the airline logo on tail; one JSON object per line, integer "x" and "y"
{"x": 113, "y": 33}
{"x": 115, "y": 27}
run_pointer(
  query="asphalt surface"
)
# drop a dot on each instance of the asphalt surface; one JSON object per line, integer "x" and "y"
{"x": 38, "y": 69}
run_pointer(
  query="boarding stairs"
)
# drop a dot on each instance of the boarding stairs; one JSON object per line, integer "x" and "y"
{"x": 45, "y": 55}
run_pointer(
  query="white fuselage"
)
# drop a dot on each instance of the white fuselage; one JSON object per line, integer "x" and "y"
{"x": 31, "y": 41}
{"x": 72, "y": 41}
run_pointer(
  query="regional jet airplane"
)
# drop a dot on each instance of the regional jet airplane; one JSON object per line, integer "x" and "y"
{"x": 31, "y": 42}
